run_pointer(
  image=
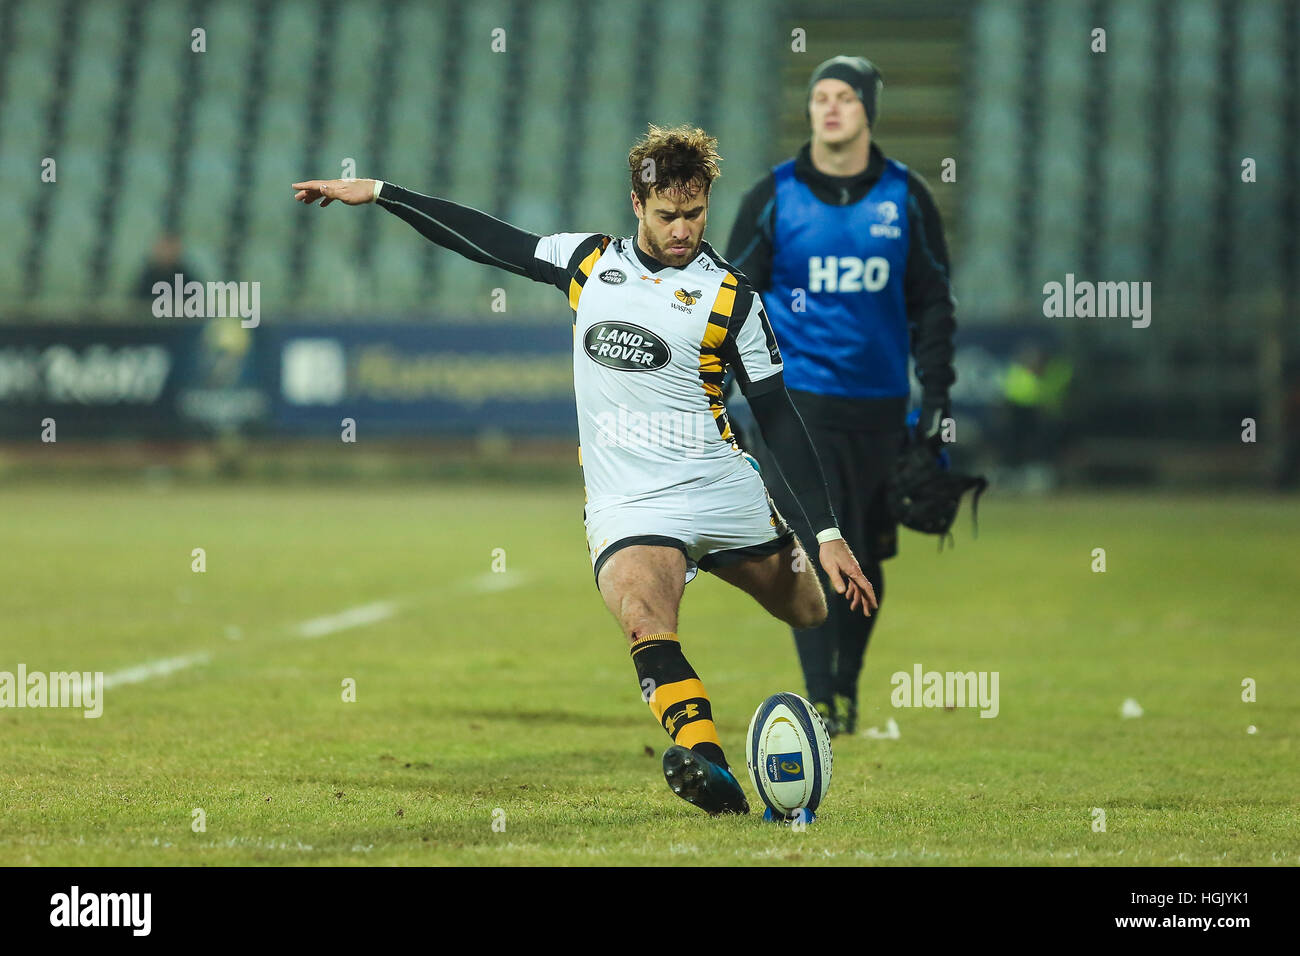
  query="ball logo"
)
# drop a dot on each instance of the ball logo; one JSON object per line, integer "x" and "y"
{"x": 783, "y": 767}
{"x": 613, "y": 276}
{"x": 788, "y": 757}
{"x": 627, "y": 347}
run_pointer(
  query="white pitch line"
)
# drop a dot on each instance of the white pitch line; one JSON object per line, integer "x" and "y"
{"x": 352, "y": 617}
{"x": 315, "y": 627}
{"x": 158, "y": 668}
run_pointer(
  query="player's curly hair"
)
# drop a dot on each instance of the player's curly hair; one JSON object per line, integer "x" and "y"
{"x": 683, "y": 158}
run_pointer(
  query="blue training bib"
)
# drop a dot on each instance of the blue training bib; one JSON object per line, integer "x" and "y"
{"x": 851, "y": 338}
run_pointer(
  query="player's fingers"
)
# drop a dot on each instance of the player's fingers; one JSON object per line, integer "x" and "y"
{"x": 862, "y": 600}
{"x": 833, "y": 575}
{"x": 868, "y": 593}
{"x": 308, "y": 184}
{"x": 860, "y": 579}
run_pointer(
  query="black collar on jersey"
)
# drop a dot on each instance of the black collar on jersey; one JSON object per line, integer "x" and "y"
{"x": 651, "y": 263}
{"x": 839, "y": 190}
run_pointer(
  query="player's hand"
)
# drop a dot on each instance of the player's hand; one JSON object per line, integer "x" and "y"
{"x": 846, "y": 576}
{"x": 354, "y": 192}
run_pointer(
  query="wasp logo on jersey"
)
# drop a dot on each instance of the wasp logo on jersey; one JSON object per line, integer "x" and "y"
{"x": 627, "y": 347}
{"x": 688, "y": 297}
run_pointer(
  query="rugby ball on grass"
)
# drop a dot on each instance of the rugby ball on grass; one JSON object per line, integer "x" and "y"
{"x": 788, "y": 752}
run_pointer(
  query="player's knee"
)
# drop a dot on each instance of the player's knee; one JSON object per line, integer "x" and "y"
{"x": 640, "y": 617}
{"x": 810, "y": 616}
{"x": 809, "y": 609}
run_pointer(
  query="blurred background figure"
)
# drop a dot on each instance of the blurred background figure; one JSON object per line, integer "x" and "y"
{"x": 1288, "y": 468}
{"x": 1034, "y": 424}
{"x": 166, "y": 259}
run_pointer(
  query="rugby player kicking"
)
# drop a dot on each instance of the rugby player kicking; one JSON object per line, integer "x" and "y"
{"x": 658, "y": 321}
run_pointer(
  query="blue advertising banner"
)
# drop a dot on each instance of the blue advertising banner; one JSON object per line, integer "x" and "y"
{"x": 426, "y": 379}
{"x": 198, "y": 378}
{"x": 195, "y": 379}
{"x": 86, "y": 381}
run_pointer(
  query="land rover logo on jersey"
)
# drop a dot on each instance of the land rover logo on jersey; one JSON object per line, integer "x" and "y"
{"x": 624, "y": 346}
{"x": 613, "y": 276}
{"x": 688, "y": 297}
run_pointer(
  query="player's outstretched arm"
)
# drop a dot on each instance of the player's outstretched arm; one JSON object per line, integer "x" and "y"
{"x": 473, "y": 234}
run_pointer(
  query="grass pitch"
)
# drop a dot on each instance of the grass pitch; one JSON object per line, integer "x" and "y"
{"x": 487, "y": 697}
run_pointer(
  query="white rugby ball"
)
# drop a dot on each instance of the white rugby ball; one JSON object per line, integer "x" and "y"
{"x": 788, "y": 752}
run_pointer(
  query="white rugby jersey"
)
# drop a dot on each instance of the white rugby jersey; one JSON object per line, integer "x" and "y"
{"x": 651, "y": 345}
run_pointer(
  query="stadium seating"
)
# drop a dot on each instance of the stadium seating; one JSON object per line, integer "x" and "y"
{"x": 205, "y": 144}
{"x": 151, "y": 137}
{"x": 1167, "y": 71}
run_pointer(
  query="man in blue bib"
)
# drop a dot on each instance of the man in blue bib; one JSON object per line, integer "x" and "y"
{"x": 846, "y": 248}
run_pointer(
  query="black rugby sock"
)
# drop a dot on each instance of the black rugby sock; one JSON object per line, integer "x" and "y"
{"x": 676, "y": 697}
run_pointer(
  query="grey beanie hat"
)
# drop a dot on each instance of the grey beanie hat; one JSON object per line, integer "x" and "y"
{"x": 860, "y": 73}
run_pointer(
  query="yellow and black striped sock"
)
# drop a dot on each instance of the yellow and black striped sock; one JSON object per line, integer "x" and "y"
{"x": 675, "y": 694}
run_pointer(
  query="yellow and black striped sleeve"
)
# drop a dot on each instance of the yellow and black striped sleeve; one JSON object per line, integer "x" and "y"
{"x": 579, "y": 267}
{"x": 749, "y": 347}
{"x": 713, "y": 366}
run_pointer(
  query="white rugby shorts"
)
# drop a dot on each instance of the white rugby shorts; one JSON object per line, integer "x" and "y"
{"x": 713, "y": 525}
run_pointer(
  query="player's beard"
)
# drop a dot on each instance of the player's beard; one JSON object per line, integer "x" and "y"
{"x": 668, "y": 258}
